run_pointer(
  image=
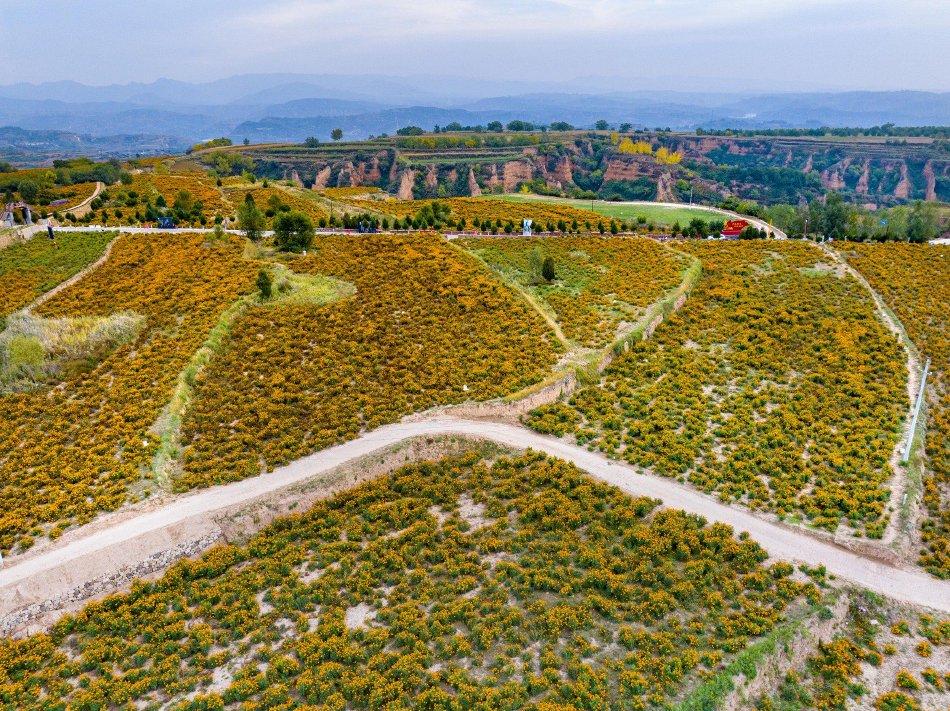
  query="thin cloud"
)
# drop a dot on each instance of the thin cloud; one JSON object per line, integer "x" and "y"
{"x": 408, "y": 18}
{"x": 765, "y": 43}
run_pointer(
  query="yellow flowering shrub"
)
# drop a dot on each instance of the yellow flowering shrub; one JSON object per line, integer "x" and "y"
{"x": 72, "y": 451}
{"x": 861, "y": 655}
{"x": 289, "y": 197}
{"x": 896, "y": 701}
{"x": 602, "y": 283}
{"x": 775, "y": 385}
{"x": 348, "y": 192}
{"x": 125, "y": 205}
{"x": 431, "y": 587}
{"x": 201, "y": 186}
{"x": 73, "y": 195}
{"x": 482, "y": 209}
{"x": 428, "y": 325}
{"x": 914, "y": 280}
{"x": 29, "y": 269}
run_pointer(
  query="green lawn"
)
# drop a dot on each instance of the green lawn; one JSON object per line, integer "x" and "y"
{"x": 656, "y": 214}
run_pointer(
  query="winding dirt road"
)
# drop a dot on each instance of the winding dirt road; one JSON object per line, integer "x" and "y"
{"x": 781, "y": 542}
{"x": 83, "y": 208}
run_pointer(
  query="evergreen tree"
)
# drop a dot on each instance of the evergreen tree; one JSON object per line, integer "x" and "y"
{"x": 264, "y": 284}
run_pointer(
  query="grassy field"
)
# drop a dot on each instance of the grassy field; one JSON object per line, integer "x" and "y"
{"x": 602, "y": 284}
{"x": 656, "y": 214}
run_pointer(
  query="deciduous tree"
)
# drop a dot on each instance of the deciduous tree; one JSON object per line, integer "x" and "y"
{"x": 293, "y": 231}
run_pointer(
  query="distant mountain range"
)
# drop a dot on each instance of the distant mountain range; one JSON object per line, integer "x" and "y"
{"x": 142, "y": 118}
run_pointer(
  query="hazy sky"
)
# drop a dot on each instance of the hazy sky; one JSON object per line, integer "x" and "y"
{"x": 675, "y": 44}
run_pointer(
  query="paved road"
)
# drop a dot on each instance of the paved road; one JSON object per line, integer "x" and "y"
{"x": 781, "y": 542}
{"x": 761, "y": 224}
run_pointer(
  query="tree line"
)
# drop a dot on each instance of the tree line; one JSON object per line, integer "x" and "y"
{"x": 833, "y": 218}
{"x": 887, "y": 129}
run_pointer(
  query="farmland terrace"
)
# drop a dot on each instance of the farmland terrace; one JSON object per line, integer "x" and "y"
{"x": 586, "y": 469}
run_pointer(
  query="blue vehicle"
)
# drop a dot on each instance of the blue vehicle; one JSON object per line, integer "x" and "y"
{"x": 166, "y": 223}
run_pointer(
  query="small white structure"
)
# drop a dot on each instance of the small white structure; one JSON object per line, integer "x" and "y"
{"x": 526, "y": 228}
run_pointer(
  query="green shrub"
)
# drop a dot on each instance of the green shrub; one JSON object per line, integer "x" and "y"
{"x": 24, "y": 357}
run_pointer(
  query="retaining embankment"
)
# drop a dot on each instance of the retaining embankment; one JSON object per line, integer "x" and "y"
{"x": 33, "y": 602}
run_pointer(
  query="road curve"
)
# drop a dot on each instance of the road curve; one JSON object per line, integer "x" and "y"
{"x": 781, "y": 542}
{"x": 755, "y": 221}
{"x": 83, "y": 207}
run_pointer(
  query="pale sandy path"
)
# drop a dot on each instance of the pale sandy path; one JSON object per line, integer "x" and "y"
{"x": 83, "y": 208}
{"x": 907, "y": 585}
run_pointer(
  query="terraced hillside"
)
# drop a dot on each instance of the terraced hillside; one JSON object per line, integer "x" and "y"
{"x": 775, "y": 386}
{"x": 426, "y": 325}
{"x": 766, "y": 169}
{"x": 28, "y": 269}
{"x": 914, "y": 280}
{"x": 76, "y": 448}
{"x": 601, "y": 286}
{"x": 476, "y": 575}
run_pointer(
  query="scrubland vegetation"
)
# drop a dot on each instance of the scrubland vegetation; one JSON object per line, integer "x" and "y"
{"x": 915, "y": 282}
{"x": 273, "y": 201}
{"x": 600, "y": 285}
{"x": 479, "y": 580}
{"x": 489, "y": 214}
{"x": 28, "y": 269}
{"x": 427, "y": 325}
{"x": 515, "y": 583}
{"x": 882, "y": 656}
{"x": 74, "y": 450}
{"x": 776, "y": 385}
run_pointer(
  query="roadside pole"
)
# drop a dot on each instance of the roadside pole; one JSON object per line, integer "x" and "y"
{"x": 913, "y": 424}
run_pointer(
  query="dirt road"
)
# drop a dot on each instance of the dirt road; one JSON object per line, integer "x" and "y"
{"x": 118, "y": 541}
{"x": 83, "y": 208}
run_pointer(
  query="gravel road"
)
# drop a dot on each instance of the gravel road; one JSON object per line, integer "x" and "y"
{"x": 781, "y": 542}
